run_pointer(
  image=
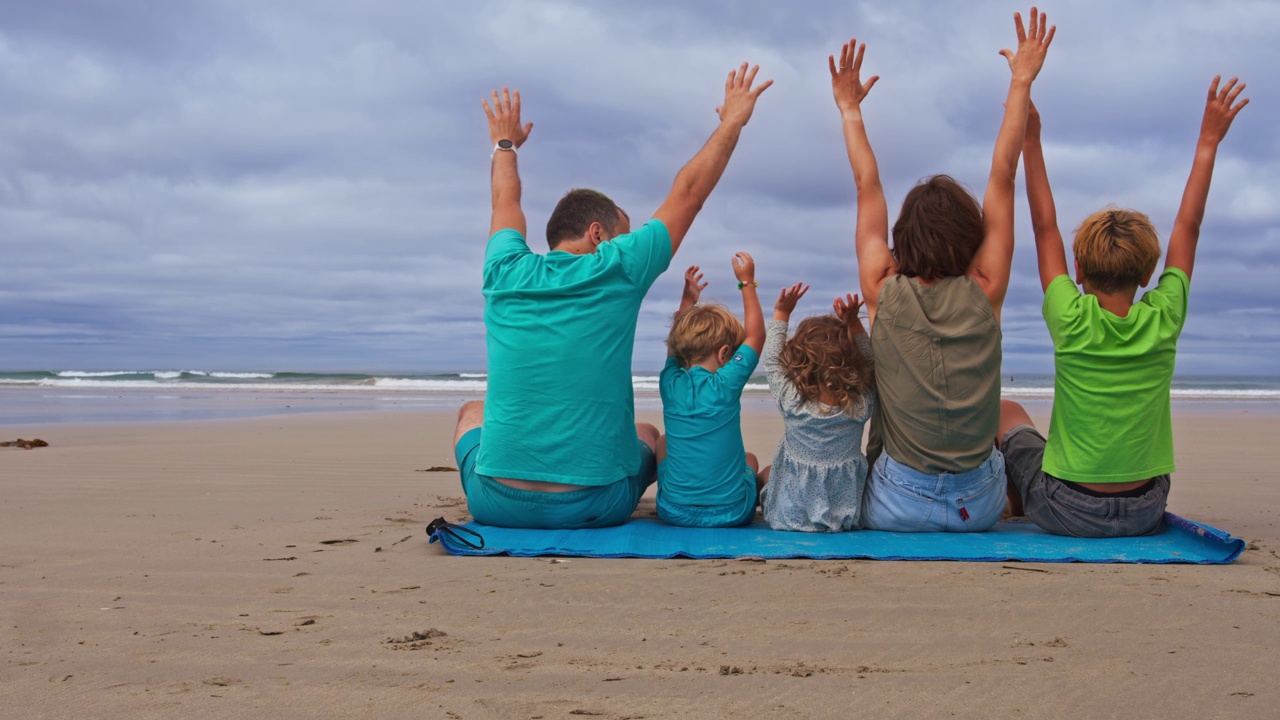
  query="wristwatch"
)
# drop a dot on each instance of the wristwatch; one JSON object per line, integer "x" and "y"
{"x": 503, "y": 144}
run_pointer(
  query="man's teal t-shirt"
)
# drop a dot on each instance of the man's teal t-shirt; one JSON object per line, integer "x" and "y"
{"x": 1111, "y": 418}
{"x": 702, "y": 414}
{"x": 560, "y": 329}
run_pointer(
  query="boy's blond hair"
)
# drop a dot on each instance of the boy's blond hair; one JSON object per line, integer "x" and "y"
{"x": 701, "y": 331}
{"x": 1116, "y": 249}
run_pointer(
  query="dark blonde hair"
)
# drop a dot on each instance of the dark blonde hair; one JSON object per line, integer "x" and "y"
{"x": 701, "y": 331}
{"x": 938, "y": 231}
{"x": 1116, "y": 248}
{"x": 822, "y": 355}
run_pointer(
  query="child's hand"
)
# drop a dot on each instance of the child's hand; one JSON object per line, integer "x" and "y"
{"x": 1033, "y": 44}
{"x": 846, "y": 308}
{"x": 787, "y": 300}
{"x": 1218, "y": 112}
{"x": 846, "y": 82}
{"x": 744, "y": 268}
{"x": 693, "y": 286}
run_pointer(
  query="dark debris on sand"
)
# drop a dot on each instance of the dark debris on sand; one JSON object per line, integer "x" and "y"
{"x": 25, "y": 444}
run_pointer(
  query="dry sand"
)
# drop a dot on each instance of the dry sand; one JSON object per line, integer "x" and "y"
{"x": 278, "y": 567}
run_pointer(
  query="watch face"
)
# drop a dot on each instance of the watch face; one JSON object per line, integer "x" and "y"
{"x": 506, "y": 144}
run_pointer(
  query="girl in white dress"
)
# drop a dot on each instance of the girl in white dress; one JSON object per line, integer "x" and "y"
{"x": 822, "y": 380}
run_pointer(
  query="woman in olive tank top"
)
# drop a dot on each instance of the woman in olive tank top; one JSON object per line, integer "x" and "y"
{"x": 934, "y": 302}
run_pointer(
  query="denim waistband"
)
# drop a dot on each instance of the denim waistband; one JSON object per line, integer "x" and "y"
{"x": 906, "y": 475}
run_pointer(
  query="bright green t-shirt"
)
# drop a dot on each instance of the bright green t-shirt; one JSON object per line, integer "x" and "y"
{"x": 1111, "y": 419}
{"x": 560, "y": 329}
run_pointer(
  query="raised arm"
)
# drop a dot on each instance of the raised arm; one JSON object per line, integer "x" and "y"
{"x": 1220, "y": 109}
{"x": 846, "y": 308}
{"x": 991, "y": 264}
{"x": 504, "y": 125}
{"x": 1050, "y": 254}
{"x": 696, "y": 180}
{"x": 776, "y": 335}
{"x": 744, "y": 268}
{"x": 871, "y": 238}
{"x": 693, "y": 287}
{"x": 787, "y": 300}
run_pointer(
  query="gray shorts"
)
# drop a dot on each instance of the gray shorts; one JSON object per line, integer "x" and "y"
{"x": 1061, "y": 508}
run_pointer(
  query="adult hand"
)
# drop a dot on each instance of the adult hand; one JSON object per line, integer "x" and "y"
{"x": 1033, "y": 45}
{"x": 744, "y": 268}
{"x": 1218, "y": 110}
{"x": 739, "y": 97}
{"x": 788, "y": 298}
{"x": 504, "y": 118}
{"x": 693, "y": 286}
{"x": 846, "y": 77}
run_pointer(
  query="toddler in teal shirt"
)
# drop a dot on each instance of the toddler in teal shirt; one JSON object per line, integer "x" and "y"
{"x": 706, "y": 478}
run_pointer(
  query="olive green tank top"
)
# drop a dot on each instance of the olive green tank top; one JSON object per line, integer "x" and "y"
{"x": 937, "y": 356}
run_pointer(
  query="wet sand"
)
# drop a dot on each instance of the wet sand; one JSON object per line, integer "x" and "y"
{"x": 278, "y": 567}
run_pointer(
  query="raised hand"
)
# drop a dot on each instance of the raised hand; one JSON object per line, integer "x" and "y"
{"x": 739, "y": 97}
{"x": 744, "y": 268}
{"x": 846, "y": 82}
{"x": 787, "y": 300}
{"x": 846, "y": 308}
{"x": 504, "y": 118}
{"x": 1220, "y": 109}
{"x": 693, "y": 286}
{"x": 1033, "y": 45}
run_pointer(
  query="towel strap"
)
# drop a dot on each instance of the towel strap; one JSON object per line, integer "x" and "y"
{"x": 439, "y": 527}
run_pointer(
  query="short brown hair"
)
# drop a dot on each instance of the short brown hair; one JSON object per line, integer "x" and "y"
{"x": 576, "y": 211}
{"x": 938, "y": 231}
{"x": 701, "y": 331}
{"x": 1116, "y": 248}
{"x": 823, "y": 355}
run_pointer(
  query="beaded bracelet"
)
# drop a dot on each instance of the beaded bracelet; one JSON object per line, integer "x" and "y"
{"x": 742, "y": 285}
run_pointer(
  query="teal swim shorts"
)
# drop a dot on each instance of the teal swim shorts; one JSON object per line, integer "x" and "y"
{"x": 493, "y": 503}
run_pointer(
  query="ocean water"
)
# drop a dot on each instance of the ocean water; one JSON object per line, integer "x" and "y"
{"x": 61, "y": 396}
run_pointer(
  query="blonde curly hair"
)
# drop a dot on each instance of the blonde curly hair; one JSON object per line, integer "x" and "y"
{"x": 822, "y": 355}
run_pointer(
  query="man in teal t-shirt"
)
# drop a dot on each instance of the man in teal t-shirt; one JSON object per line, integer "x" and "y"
{"x": 537, "y": 307}
{"x": 555, "y": 443}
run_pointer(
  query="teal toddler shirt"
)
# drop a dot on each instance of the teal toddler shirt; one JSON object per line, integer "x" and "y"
{"x": 706, "y": 461}
{"x": 560, "y": 329}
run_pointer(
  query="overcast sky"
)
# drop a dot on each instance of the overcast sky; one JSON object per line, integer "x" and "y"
{"x": 304, "y": 185}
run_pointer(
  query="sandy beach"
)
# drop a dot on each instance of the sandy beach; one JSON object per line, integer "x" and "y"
{"x": 278, "y": 567}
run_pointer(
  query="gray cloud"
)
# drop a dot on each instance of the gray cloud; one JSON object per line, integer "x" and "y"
{"x": 262, "y": 186}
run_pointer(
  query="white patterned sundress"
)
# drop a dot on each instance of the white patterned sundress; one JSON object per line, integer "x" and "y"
{"x": 819, "y": 470}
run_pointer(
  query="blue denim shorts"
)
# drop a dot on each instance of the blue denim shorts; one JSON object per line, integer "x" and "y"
{"x": 492, "y": 503}
{"x": 903, "y": 499}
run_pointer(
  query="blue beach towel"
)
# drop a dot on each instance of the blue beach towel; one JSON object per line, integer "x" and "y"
{"x": 1181, "y": 541}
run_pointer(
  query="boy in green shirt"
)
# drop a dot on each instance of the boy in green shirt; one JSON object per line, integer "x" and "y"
{"x": 1104, "y": 471}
